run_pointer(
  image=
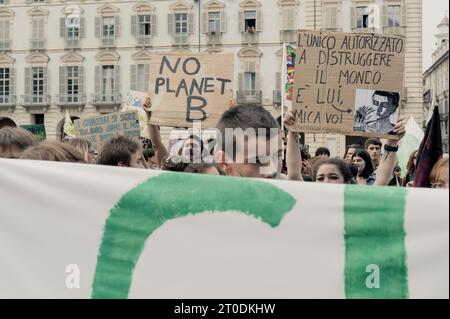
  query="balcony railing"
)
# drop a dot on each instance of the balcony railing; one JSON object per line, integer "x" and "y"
{"x": 180, "y": 39}
{"x": 144, "y": 41}
{"x": 249, "y": 97}
{"x": 395, "y": 30}
{"x": 214, "y": 38}
{"x": 106, "y": 99}
{"x": 108, "y": 41}
{"x": 249, "y": 37}
{"x": 288, "y": 36}
{"x": 277, "y": 97}
{"x": 37, "y": 44}
{"x": 72, "y": 43}
{"x": 36, "y": 100}
{"x": 5, "y": 45}
{"x": 8, "y": 100}
{"x": 71, "y": 99}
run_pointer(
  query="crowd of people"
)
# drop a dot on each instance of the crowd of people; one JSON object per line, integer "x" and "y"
{"x": 370, "y": 164}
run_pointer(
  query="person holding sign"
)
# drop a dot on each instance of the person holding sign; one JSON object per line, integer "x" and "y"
{"x": 336, "y": 172}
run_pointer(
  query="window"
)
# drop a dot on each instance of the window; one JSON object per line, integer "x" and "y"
{"x": 362, "y": 17}
{"x": 144, "y": 25}
{"x": 4, "y": 34}
{"x": 38, "y": 118}
{"x": 108, "y": 27}
{"x": 107, "y": 83}
{"x": 38, "y": 1}
{"x": 4, "y": 84}
{"x": 250, "y": 20}
{"x": 214, "y": 22}
{"x": 38, "y": 31}
{"x": 38, "y": 84}
{"x": 72, "y": 83}
{"x": 181, "y": 22}
{"x": 141, "y": 78}
{"x": 249, "y": 82}
{"x": 394, "y": 16}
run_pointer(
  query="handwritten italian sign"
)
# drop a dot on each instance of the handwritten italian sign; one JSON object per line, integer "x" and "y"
{"x": 188, "y": 87}
{"x": 134, "y": 102}
{"x": 348, "y": 83}
{"x": 99, "y": 129}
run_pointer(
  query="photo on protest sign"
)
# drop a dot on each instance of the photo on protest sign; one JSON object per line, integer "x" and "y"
{"x": 99, "y": 129}
{"x": 189, "y": 87}
{"x": 336, "y": 77}
{"x": 376, "y": 111}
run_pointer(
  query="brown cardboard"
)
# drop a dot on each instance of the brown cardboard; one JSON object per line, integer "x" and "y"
{"x": 180, "y": 80}
{"x": 333, "y": 78}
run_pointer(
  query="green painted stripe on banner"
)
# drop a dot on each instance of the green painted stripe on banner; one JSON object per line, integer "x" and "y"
{"x": 375, "y": 240}
{"x": 167, "y": 196}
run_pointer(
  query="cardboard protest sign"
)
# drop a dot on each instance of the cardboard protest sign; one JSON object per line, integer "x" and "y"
{"x": 134, "y": 102}
{"x": 188, "y": 87}
{"x": 348, "y": 83}
{"x": 36, "y": 129}
{"x": 99, "y": 129}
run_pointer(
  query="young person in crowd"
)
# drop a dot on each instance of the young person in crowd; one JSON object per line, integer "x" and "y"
{"x": 323, "y": 152}
{"x": 53, "y": 151}
{"x": 397, "y": 179}
{"x": 332, "y": 171}
{"x": 361, "y": 159}
{"x": 121, "y": 151}
{"x": 85, "y": 147}
{"x": 439, "y": 174}
{"x": 203, "y": 168}
{"x": 349, "y": 151}
{"x": 373, "y": 147}
{"x": 13, "y": 141}
{"x": 411, "y": 168}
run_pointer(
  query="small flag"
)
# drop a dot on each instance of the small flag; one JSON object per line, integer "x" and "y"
{"x": 69, "y": 127}
{"x": 288, "y": 75}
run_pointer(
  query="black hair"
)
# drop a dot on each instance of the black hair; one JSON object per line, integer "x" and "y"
{"x": 372, "y": 141}
{"x": 117, "y": 149}
{"x": 323, "y": 150}
{"x": 342, "y": 166}
{"x": 368, "y": 168}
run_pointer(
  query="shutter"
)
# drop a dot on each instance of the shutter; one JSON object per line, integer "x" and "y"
{"x": 28, "y": 81}
{"x": 81, "y": 80}
{"x": 82, "y": 27}
{"x": 45, "y": 74}
{"x": 325, "y": 18}
{"x": 205, "y": 24}
{"x": 403, "y": 15}
{"x": 278, "y": 81}
{"x": 241, "y": 82}
{"x": 147, "y": 77}
{"x": 98, "y": 81}
{"x": 190, "y": 23}
{"x": 241, "y": 21}
{"x": 333, "y": 17}
{"x": 62, "y": 80}
{"x": 171, "y": 23}
{"x": 353, "y": 17}
{"x": 29, "y": 1}
{"x": 133, "y": 72}
{"x": 257, "y": 82}
{"x": 134, "y": 25}
{"x": 291, "y": 19}
{"x": 12, "y": 81}
{"x": 116, "y": 80}
{"x": 98, "y": 27}
{"x": 62, "y": 27}
{"x": 154, "y": 25}
{"x": 384, "y": 16}
{"x": 259, "y": 21}
{"x": 223, "y": 22}
{"x": 35, "y": 28}
{"x": 116, "y": 26}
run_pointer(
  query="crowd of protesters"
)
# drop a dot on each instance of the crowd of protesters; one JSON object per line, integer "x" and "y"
{"x": 370, "y": 164}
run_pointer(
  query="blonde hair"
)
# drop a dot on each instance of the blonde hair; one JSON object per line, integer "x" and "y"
{"x": 82, "y": 145}
{"x": 437, "y": 170}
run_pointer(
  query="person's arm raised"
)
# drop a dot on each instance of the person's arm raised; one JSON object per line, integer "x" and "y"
{"x": 293, "y": 155}
{"x": 160, "y": 149}
{"x": 385, "y": 169}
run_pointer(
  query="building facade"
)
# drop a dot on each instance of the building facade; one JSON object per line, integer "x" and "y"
{"x": 435, "y": 81}
{"x": 84, "y": 56}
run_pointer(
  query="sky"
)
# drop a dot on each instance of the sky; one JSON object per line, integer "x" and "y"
{"x": 433, "y": 12}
